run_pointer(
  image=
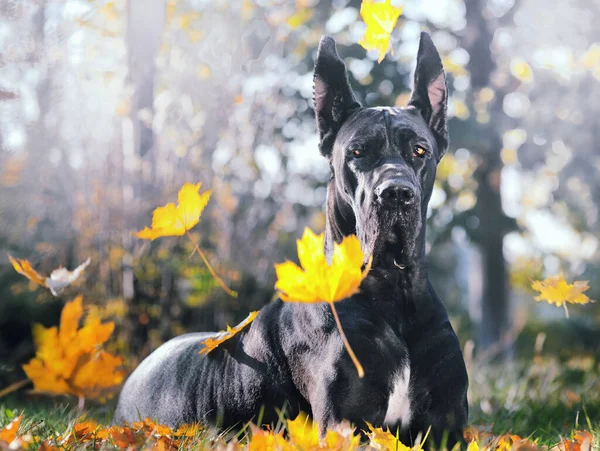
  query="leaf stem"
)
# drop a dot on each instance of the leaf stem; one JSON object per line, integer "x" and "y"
{"x": 13, "y": 387}
{"x": 359, "y": 368}
{"x": 227, "y": 290}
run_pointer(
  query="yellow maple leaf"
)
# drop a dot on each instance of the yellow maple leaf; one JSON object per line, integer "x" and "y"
{"x": 556, "y": 290}
{"x": 316, "y": 280}
{"x": 69, "y": 359}
{"x": 385, "y": 440}
{"x": 176, "y": 220}
{"x": 380, "y": 18}
{"x": 268, "y": 441}
{"x": 214, "y": 342}
{"x": 473, "y": 446}
{"x": 58, "y": 280}
{"x": 304, "y": 434}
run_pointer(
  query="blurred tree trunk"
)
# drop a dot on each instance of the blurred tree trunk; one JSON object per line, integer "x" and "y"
{"x": 145, "y": 22}
{"x": 493, "y": 223}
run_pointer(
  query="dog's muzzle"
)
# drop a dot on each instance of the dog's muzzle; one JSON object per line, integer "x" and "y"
{"x": 396, "y": 192}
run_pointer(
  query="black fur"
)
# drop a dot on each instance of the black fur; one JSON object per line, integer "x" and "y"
{"x": 292, "y": 354}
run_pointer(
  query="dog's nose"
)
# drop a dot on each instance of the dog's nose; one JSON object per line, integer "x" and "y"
{"x": 396, "y": 192}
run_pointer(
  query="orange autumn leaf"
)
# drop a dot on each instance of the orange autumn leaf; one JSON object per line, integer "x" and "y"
{"x": 81, "y": 432}
{"x": 582, "y": 441}
{"x": 69, "y": 359}
{"x": 316, "y": 280}
{"x": 59, "y": 279}
{"x": 9, "y": 432}
{"x": 176, "y": 220}
{"x": 380, "y": 19}
{"x": 214, "y": 342}
{"x": 556, "y": 290}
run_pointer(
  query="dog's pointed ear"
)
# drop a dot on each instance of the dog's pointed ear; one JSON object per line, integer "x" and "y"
{"x": 430, "y": 92}
{"x": 332, "y": 95}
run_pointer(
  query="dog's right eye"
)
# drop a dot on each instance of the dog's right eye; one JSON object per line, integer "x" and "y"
{"x": 357, "y": 153}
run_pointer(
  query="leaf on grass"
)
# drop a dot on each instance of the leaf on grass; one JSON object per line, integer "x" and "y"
{"x": 556, "y": 290}
{"x": 176, "y": 220}
{"x": 316, "y": 280}
{"x": 145, "y": 434}
{"x": 385, "y": 440}
{"x": 582, "y": 441}
{"x": 59, "y": 278}
{"x": 214, "y": 342}
{"x": 380, "y": 18}
{"x": 268, "y": 440}
{"x": 304, "y": 434}
{"x": 9, "y": 438}
{"x": 69, "y": 359}
{"x": 81, "y": 432}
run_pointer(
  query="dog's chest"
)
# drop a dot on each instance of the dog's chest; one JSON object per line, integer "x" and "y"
{"x": 399, "y": 402}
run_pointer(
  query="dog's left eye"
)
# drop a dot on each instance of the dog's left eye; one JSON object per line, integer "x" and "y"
{"x": 357, "y": 153}
{"x": 420, "y": 151}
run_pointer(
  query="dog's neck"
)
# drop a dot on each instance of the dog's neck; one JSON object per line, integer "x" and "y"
{"x": 401, "y": 267}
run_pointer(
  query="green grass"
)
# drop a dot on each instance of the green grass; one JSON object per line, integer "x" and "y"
{"x": 544, "y": 399}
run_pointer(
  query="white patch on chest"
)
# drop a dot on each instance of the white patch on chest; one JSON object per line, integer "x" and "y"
{"x": 399, "y": 403}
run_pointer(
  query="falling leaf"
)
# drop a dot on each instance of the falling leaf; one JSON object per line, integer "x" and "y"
{"x": 59, "y": 278}
{"x": 176, "y": 220}
{"x": 316, "y": 280}
{"x": 69, "y": 359}
{"x": 556, "y": 290}
{"x": 380, "y": 18}
{"x": 385, "y": 440}
{"x": 214, "y": 342}
{"x": 473, "y": 446}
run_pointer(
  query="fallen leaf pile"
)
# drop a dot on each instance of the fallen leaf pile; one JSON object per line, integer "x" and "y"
{"x": 59, "y": 278}
{"x": 302, "y": 435}
{"x": 70, "y": 360}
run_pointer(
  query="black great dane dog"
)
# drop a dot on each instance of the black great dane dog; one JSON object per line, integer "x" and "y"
{"x": 383, "y": 163}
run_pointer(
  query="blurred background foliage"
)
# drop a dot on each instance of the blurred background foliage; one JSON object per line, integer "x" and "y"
{"x": 108, "y": 107}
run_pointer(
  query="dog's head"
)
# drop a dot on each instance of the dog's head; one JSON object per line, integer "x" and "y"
{"x": 383, "y": 160}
